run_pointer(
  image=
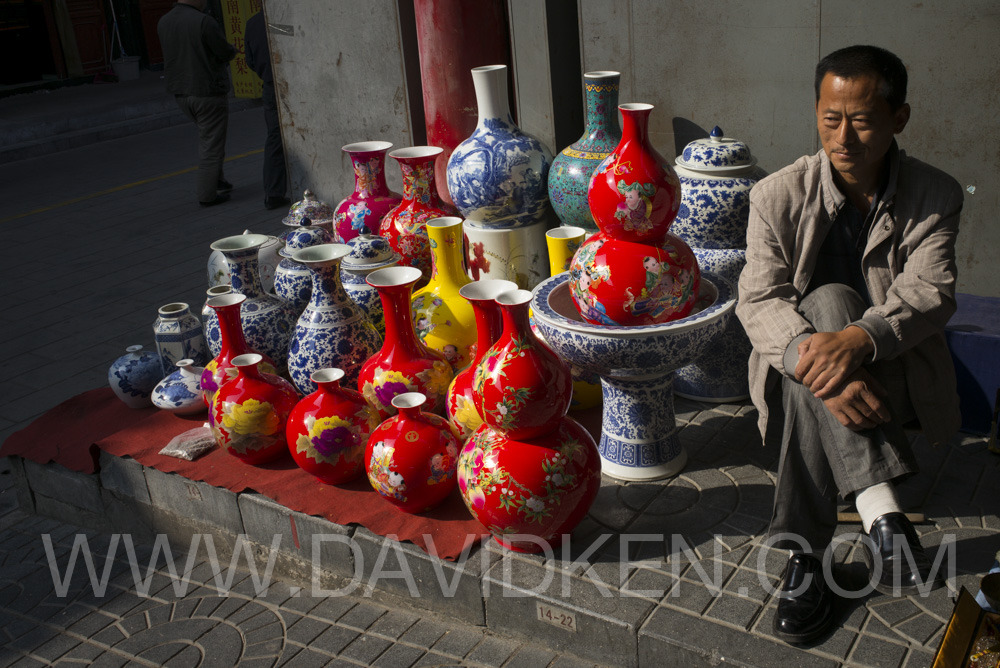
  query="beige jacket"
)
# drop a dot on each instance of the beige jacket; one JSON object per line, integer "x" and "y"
{"x": 908, "y": 263}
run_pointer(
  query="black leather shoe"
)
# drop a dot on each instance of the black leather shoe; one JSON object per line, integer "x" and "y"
{"x": 807, "y": 615}
{"x": 224, "y": 186}
{"x": 895, "y": 542}
{"x": 219, "y": 199}
{"x": 271, "y": 203}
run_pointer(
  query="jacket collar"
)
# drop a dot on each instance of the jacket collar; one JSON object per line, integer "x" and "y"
{"x": 834, "y": 200}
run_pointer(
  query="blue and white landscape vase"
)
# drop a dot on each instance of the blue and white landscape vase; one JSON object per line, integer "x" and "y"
{"x": 181, "y": 392}
{"x": 210, "y": 321}
{"x": 332, "y": 332}
{"x": 133, "y": 376}
{"x": 292, "y": 281}
{"x": 571, "y": 170}
{"x": 368, "y": 253}
{"x": 179, "y": 335}
{"x": 267, "y": 320}
{"x": 499, "y": 175}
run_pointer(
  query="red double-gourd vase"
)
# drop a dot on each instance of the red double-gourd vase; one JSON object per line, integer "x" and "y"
{"x": 328, "y": 430}
{"x": 461, "y": 404}
{"x": 521, "y": 388}
{"x": 405, "y": 226}
{"x": 412, "y": 457}
{"x": 403, "y": 364}
{"x": 528, "y": 492}
{"x": 232, "y": 344}
{"x": 249, "y": 412}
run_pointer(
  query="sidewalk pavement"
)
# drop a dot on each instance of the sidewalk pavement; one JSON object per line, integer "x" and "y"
{"x": 104, "y": 234}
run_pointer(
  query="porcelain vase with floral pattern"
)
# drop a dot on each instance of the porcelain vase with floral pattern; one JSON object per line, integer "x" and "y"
{"x": 232, "y": 343}
{"x": 179, "y": 335}
{"x": 444, "y": 320}
{"x": 571, "y": 170}
{"x": 412, "y": 457}
{"x": 528, "y": 492}
{"x": 403, "y": 226}
{"x": 363, "y": 210}
{"x": 181, "y": 392}
{"x": 461, "y": 405}
{"x": 328, "y": 430}
{"x": 332, "y": 331}
{"x": 521, "y": 388}
{"x": 292, "y": 280}
{"x": 249, "y": 412}
{"x": 134, "y": 375}
{"x": 403, "y": 364}
{"x": 210, "y": 321}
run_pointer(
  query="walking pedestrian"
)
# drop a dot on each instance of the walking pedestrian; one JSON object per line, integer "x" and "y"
{"x": 258, "y": 55}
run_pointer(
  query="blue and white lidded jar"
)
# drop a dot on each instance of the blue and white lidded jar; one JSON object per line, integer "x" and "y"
{"x": 368, "y": 253}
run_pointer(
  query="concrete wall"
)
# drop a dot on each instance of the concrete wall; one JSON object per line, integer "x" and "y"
{"x": 748, "y": 67}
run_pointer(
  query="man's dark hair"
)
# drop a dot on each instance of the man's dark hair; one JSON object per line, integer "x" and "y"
{"x": 857, "y": 61}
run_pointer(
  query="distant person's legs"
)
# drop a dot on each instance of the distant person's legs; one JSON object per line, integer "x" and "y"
{"x": 211, "y": 115}
{"x": 275, "y": 175}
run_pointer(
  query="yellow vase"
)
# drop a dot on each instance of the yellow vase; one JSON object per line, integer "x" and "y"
{"x": 444, "y": 320}
{"x": 562, "y": 243}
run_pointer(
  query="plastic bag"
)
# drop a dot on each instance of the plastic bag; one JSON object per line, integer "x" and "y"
{"x": 190, "y": 445}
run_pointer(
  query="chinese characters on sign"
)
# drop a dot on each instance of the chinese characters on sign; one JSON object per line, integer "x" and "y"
{"x": 235, "y": 14}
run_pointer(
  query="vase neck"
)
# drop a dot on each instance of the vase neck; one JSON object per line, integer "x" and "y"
{"x": 399, "y": 332}
{"x": 244, "y": 272}
{"x": 491, "y": 93}
{"x": 327, "y": 288}
{"x": 231, "y": 330}
{"x": 635, "y": 125}
{"x": 419, "y": 181}
{"x": 369, "y": 174}
{"x": 250, "y": 372}
{"x": 602, "y": 108}
{"x": 329, "y": 387}
{"x": 515, "y": 320}
{"x": 447, "y": 255}
{"x": 489, "y": 326}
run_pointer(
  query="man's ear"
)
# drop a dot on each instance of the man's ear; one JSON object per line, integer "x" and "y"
{"x": 900, "y": 118}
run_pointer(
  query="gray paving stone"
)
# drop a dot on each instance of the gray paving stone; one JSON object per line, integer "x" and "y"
{"x": 333, "y": 608}
{"x": 85, "y": 652}
{"x": 222, "y": 645}
{"x": 361, "y": 616}
{"x": 919, "y": 629}
{"x": 265, "y": 633}
{"x": 306, "y": 630}
{"x": 457, "y": 643}
{"x": 570, "y": 662}
{"x": 365, "y": 649}
{"x": 691, "y": 596}
{"x": 56, "y": 647}
{"x": 870, "y": 651}
{"x": 92, "y": 623}
{"x": 424, "y": 633}
{"x": 399, "y": 656}
{"x": 306, "y": 658}
{"x": 531, "y": 656}
{"x": 733, "y": 610}
{"x": 493, "y": 651}
{"x": 893, "y": 611}
{"x": 918, "y": 659}
{"x": 334, "y": 639}
{"x": 434, "y": 660}
{"x": 393, "y": 624}
{"x": 110, "y": 636}
{"x": 266, "y": 648}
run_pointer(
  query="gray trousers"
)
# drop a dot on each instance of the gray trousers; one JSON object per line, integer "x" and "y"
{"x": 819, "y": 456}
{"x": 211, "y": 115}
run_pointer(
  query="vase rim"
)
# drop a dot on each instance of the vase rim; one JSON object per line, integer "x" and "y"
{"x": 134, "y": 349}
{"x": 444, "y": 222}
{"x": 321, "y": 253}
{"x": 413, "y": 152}
{"x": 228, "y": 299}
{"x": 247, "y": 359}
{"x": 219, "y": 290}
{"x": 566, "y": 232}
{"x": 239, "y": 242}
{"x": 488, "y": 68}
{"x": 601, "y": 74}
{"x": 635, "y": 106}
{"x": 393, "y": 276}
{"x": 409, "y": 400}
{"x": 328, "y": 375}
{"x": 486, "y": 289}
{"x": 184, "y": 363}
{"x": 514, "y": 297}
{"x": 366, "y": 146}
{"x": 173, "y": 309}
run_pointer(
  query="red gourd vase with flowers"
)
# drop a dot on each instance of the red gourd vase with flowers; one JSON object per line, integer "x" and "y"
{"x": 232, "y": 343}
{"x": 412, "y": 457}
{"x": 634, "y": 272}
{"x": 250, "y": 411}
{"x": 403, "y": 364}
{"x": 521, "y": 388}
{"x": 328, "y": 429}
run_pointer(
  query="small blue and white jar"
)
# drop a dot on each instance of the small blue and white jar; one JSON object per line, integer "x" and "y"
{"x": 332, "y": 332}
{"x": 181, "y": 392}
{"x": 179, "y": 335}
{"x": 368, "y": 253}
{"x": 210, "y": 321}
{"x": 292, "y": 281}
{"x": 716, "y": 176}
{"x": 133, "y": 376}
{"x": 498, "y": 177}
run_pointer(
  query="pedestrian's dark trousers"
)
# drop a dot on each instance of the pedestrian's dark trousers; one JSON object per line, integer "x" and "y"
{"x": 211, "y": 115}
{"x": 819, "y": 456}
{"x": 275, "y": 177}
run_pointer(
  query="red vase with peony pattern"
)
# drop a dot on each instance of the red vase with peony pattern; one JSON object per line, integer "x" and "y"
{"x": 461, "y": 406}
{"x": 232, "y": 343}
{"x": 404, "y": 226}
{"x": 249, "y": 412}
{"x": 328, "y": 430}
{"x": 403, "y": 364}
{"x": 361, "y": 212}
{"x": 528, "y": 492}
{"x": 411, "y": 458}
{"x": 521, "y": 388}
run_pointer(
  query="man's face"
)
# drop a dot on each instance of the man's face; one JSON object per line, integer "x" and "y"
{"x": 856, "y": 125}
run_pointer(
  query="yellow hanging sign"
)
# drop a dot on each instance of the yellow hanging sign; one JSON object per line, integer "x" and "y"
{"x": 235, "y": 14}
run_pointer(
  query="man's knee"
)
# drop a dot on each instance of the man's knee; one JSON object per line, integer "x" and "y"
{"x": 832, "y": 307}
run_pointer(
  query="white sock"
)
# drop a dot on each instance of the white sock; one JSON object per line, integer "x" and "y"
{"x": 875, "y": 501}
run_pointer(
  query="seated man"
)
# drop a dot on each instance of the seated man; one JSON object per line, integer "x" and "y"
{"x": 849, "y": 282}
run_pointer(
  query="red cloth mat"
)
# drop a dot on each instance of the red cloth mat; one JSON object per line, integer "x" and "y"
{"x": 71, "y": 433}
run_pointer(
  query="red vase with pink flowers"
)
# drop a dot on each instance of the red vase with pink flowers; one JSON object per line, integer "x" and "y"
{"x": 362, "y": 211}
